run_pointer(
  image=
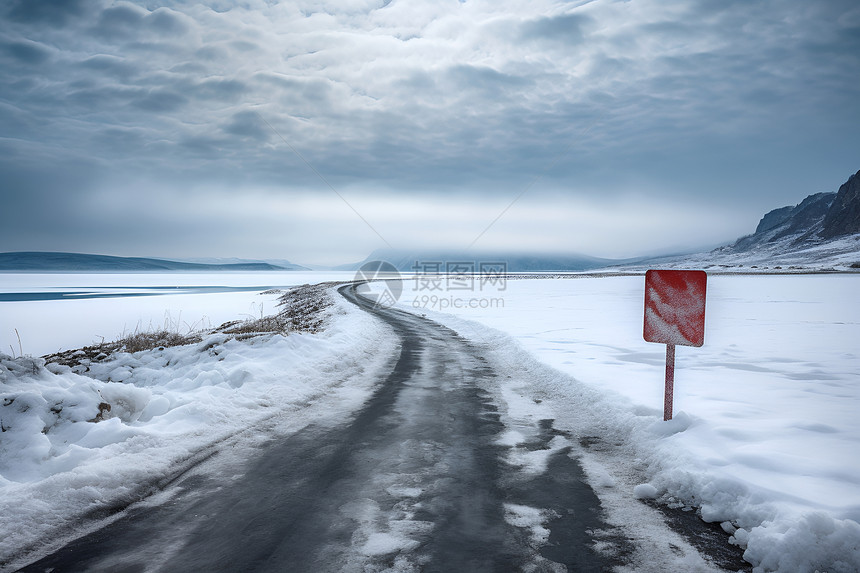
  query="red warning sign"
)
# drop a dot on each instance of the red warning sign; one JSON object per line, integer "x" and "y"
{"x": 675, "y": 307}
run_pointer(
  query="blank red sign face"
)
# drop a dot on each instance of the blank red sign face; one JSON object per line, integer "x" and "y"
{"x": 675, "y": 307}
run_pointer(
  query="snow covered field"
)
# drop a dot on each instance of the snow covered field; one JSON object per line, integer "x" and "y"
{"x": 766, "y": 435}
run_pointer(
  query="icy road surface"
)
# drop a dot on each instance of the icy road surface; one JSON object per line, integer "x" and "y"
{"x": 420, "y": 478}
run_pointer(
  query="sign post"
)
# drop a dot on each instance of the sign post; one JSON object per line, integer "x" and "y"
{"x": 668, "y": 395}
{"x": 674, "y": 315}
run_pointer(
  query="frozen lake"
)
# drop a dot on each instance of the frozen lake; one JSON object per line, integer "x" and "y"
{"x": 60, "y": 311}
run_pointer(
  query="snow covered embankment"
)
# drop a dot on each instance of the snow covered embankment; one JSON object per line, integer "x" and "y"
{"x": 627, "y": 456}
{"x": 94, "y": 438}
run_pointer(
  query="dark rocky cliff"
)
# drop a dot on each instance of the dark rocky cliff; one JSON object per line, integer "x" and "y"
{"x": 843, "y": 218}
{"x": 818, "y": 218}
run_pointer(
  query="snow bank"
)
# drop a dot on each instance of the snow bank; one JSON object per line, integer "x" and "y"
{"x": 764, "y": 440}
{"x": 102, "y": 435}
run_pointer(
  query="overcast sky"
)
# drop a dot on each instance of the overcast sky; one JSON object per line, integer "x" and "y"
{"x": 317, "y": 131}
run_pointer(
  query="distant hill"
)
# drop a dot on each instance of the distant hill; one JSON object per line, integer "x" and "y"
{"x": 279, "y": 264}
{"x": 405, "y": 260}
{"x": 820, "y": 221}
{"x": 49, "y": 261}
{"x": 799, "y": 223}
{"x": 822, "y": 232}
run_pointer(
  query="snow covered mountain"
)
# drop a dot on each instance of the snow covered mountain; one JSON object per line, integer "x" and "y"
{"x": 821, "y": 233}
{"x": 818, "y": 218}
{"x": 798, "y": 223}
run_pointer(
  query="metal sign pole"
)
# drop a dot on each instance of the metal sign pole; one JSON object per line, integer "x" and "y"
{"x": 670, "y": 382}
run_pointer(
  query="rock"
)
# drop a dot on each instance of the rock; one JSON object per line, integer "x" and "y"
{"x": 104, "y": 411}
{"x": 807, "y": 214}
{"x": 773, "y": 218}
{"x": 843, "y": 217}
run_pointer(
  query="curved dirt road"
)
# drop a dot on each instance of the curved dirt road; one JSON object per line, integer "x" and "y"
{"x": 415, "y": 481}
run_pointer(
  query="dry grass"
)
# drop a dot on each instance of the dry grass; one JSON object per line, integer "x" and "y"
{"x": 161, "y": 339}
{"x": 304, "y": 307}
{"x": 302, "y": 310}
{"x": 136, "y": 342}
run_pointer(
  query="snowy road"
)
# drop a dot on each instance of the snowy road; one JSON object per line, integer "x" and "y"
{"x": 414, "y": 481}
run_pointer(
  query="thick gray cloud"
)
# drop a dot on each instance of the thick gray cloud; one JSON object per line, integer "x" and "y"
{"x": 732, "y": 107}
{"x": 54, "y": 13}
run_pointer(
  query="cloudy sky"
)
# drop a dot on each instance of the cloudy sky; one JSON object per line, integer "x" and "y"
{"x": 318, "y": 131}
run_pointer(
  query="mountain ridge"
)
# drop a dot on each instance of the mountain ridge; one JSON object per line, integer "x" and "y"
{"x": 819, "y": 218}
{"x": 61, "y": 261}
{"x": 821, "y": 233}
